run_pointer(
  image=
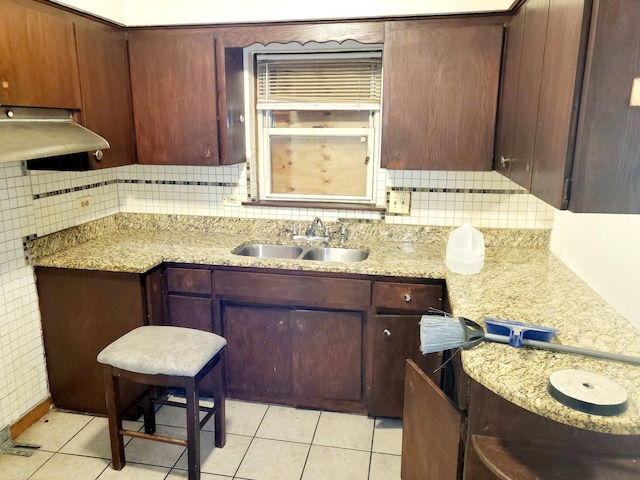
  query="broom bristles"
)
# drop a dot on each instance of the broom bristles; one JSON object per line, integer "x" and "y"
{"x": 439, "y": 333}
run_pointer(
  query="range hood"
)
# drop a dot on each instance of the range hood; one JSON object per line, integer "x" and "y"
{"x": 35, "y": 133}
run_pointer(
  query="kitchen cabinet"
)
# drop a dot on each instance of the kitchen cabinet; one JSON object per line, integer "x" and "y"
{"x": 396, "y": 337}
{"x": 507, "y": 442}
{"x": 305, "y": 358}
{"x": 606, "y": 170}
{"x": 189, "y": 304}
{"x": 173, "y": 82}
{"x": 82, "y": 312}
{"x": 294, "y": 339}
{"x": 566, "y": 130}
{"x": 522, "y": 72}
{"x": 38, "y": 59}
{"x": 496, "y": 439}
{"x": 106, "y": 91}
{"x": 431, "y": 430}
{"x": 440, "y": 93}
{"x": 188, "y": 98}
{"x": 546, "y": 42}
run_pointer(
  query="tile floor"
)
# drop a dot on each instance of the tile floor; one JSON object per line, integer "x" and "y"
{"x": 264, "y": 442}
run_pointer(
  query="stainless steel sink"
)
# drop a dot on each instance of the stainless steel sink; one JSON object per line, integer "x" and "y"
{"x": 327, "y": 254}
{"x": 268, "y": 251}
{"x": 321, "y": 254}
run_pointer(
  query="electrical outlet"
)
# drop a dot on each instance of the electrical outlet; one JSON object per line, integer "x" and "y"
{"x": 399, "y": 202}
{"x": 232, "y": 201}
{"x": 83, "y": 203}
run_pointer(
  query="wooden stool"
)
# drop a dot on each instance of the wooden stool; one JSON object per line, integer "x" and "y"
{"x": 162, "y": 356}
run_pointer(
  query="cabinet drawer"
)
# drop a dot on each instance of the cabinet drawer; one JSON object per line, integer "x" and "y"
{"x": 407, "y": 296}
{"x": 189, "y": 280}
{"x": 293, "y": 289}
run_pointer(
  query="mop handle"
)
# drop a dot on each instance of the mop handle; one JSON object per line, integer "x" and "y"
{"x": 556, "y": 347}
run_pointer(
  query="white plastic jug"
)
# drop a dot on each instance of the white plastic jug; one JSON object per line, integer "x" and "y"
{"x": 465, "y": 250}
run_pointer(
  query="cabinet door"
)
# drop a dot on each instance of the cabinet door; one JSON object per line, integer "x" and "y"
{"x": 564, "y": 53}
{"x": 327, "y": 357}
{"x": 440, "y": 94}
{"x": 396, "y": 339}
{"x": 231, "y": 127}
{"x": 606, "y": 172}
{"x": 258, "y": 354}
{"x": 174, "y": 97}
{"x": 193, "y": 312}
{"x": 535, "y": 14}
{"x": 431, "y": 427}
{"x": 83, "y": 312}
{"x": 106, "y": 94}
{"x": 38, "y": 61}
{"x": 509, "y": 92}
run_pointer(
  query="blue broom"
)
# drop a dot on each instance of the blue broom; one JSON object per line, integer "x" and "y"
{"x": 440, "y": 331}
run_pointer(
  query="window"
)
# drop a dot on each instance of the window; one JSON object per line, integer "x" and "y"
{"x": 318, "y": 124}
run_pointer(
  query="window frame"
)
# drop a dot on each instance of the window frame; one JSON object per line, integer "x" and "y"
{"x": 262, "y": 121}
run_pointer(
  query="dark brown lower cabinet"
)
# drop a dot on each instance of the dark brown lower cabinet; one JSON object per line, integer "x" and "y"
{"x": 193, "y": 312}
{"x": 258, "y": 353}
{"x": 431, "y": 430}
{"x": 396, "y": 339}
{"x": 327, "y": 357}
{"x": 82, "y": 312}
{"x": 304, "y": 358}
{"x": 496, "y": 439}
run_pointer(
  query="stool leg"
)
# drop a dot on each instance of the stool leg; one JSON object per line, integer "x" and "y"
{"x": 219, "y": 396}
{"x": 149, "y": 412}
{"x": 193, "y": 429}
{"x": 112, "y": 396}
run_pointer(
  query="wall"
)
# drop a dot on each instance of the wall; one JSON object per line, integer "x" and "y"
{"x": 603, "y": 250}
{"x": 38, "y": 203}
{"x": 176, "y": 12}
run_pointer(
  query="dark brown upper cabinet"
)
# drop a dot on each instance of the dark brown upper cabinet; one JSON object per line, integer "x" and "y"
{"x": 440, "y": 93}
{"x": 106, "y": 92}
{"x": 38, "y": 60}
{"x": 173, "y": 82}
{"x": 606, "y": 171}
{"x": 566, "y": 130}
{"x": 522, "y": 72}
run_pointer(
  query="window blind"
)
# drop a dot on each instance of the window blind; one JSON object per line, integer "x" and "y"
{"x": 317, "y": 80}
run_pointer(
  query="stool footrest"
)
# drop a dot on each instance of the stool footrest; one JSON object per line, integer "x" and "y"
{"x": 156, "y": 438}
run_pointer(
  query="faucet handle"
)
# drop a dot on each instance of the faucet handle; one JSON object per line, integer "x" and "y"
{"x": 294, "y": 229}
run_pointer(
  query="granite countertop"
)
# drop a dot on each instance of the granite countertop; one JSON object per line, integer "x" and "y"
{"x": 521, "y": 280}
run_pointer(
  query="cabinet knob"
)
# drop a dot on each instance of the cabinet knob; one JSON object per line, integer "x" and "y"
{"x": 207, "y": 153}
{"x": 98, "y": 154}
{"x": 386, "y": 332}
{"x": 505, "y": 161}
{"x": 406, "y": 297}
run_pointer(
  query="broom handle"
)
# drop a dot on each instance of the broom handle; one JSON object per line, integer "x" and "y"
{"x": 556, "y": 347}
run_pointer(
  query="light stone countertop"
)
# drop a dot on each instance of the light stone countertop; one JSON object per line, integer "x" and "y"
{"x": 521, "y": 280}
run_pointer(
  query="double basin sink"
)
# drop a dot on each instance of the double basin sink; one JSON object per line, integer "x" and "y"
{"x": 322, "y": 254}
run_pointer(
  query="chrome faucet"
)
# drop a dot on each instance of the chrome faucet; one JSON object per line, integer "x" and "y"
{"x": 314, "y": 227}
{"x": 315, "y": 233}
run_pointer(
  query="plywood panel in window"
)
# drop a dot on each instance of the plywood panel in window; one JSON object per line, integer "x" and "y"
{"x": 319, "y": 165}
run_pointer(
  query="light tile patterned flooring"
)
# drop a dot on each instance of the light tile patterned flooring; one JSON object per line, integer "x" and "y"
{"x": 264, "y": 442}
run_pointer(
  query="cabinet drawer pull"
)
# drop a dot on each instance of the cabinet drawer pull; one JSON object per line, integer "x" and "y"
{"x": 406, "y": 297}
{"x": 386, "y": 332}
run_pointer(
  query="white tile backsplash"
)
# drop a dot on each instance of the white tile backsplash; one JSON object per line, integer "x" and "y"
{"x": 23, "y": 381}
{"x": 42, "y": 202}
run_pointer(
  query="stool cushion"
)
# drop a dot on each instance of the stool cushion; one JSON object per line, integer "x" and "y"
{"x": 156, "y": 349}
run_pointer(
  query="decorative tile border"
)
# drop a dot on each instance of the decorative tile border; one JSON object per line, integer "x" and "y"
{"x": 90, "y": 186}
